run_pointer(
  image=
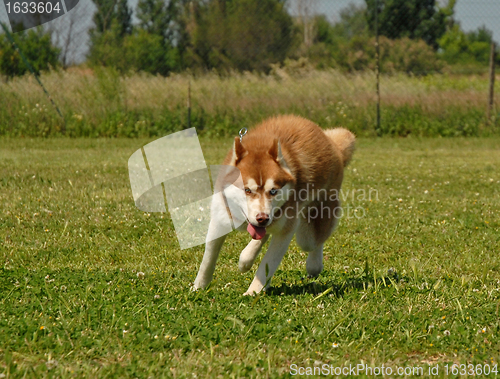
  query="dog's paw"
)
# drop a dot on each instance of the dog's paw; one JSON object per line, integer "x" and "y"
{"x": 248, "y": 293}
{"x": 198, "y": 285}
{"x": 313, "y": 271}
{"x": 244, "y": 266}
{"x": 311, "y": 276}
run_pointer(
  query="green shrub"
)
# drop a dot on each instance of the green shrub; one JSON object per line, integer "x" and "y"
{"x": 146, "y": 52}
{"x": 348, "y": 45}
{"x": 36, "y": 47}
{"x": 407, "y": 55}
{"x": 414, "y": 120}
{"x": 107, "y": 49}
{"x": 401, "y": 55}
{"x": 470, "y": 49}
{"x": 138, "y": 51}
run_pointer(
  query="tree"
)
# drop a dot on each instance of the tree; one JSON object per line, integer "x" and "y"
{"x": 164, "y": 21}
{"x": 415, "y": 19}
{"x": 138, "y": 51}
{"x": 69, "y": 33}
{"x": 37, "y": 48}
{"x": 158, "y": 17}
{"x": 107, "y": 48}
{"x": 305, "y": 10}
{"x": 352, "y": 22}
{"x": 109, "y": 11}
{"x": 112, "y": 23}
{"x": 242, "y": 34}
{"x": 331, "y": 43}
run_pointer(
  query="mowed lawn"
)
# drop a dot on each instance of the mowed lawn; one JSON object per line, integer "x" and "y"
{"x": 411, "y": 275}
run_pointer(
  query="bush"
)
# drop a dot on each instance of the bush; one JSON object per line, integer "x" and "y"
{"x": 146, "y": 52}
{"x": 36, "y": 47}
{"x": 349, "y": 45}
{"x": 138, "y": 51}
{"x": 466, "y": 49}
{"x": 406, "y": 55}
{"x": 107, "y": 49}
{"x": 359, "y": 53}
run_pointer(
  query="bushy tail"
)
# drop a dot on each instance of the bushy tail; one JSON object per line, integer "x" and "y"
{"x": 344, "y": 140}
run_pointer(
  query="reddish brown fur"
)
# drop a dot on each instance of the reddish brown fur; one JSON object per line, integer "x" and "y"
{"x": 309, "y": 163}
{"x": 308, "y": 152}
{"x": 306, "y": 149}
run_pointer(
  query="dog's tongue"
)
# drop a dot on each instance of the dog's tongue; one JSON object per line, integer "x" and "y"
{"x": 257, "y": 232}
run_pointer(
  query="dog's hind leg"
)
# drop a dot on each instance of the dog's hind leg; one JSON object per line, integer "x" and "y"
{"x": 314, "y": 263}
{"x": 308, "y": 242}
{"x": 314, "y": 231}
{"x": 270, "y": 262}
{"x": 250, "y": 253}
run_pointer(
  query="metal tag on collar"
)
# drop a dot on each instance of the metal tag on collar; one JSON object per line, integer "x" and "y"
{"x": 242, "y": 132}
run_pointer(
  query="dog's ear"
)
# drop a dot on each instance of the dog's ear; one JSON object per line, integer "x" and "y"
{"x": 277, "y": 155}
{"x": 238, "y": 151}
{"x": 275, "y": 152}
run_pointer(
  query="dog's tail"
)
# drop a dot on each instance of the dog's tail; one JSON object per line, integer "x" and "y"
{"x": 344, "y": 141}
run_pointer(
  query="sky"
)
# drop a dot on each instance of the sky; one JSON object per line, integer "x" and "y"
{"x": 471, "y": 14}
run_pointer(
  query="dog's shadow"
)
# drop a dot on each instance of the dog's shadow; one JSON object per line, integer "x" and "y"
{"x": 336, "y": 287}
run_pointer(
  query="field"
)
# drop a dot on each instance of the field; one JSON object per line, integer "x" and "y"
{"x": 92, "y": 287}
{"x": 102, "y": 103}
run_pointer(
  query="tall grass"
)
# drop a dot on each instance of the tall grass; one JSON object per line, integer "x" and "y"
{"x": 103, "y": 103}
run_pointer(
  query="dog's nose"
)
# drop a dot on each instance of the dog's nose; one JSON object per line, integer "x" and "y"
{"x": 262, "y": 218}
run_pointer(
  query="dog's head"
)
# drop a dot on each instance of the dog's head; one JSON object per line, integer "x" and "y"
{"x": 267, "y": 180}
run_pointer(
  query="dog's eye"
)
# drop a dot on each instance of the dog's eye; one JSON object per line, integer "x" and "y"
{"x": 248, "y": 191}
{"x": 273, "y": 192}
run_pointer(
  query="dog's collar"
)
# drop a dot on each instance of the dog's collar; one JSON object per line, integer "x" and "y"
{"x": 242, "y": 132}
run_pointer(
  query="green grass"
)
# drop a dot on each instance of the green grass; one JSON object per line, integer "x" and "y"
{"x": 421, "y": 262}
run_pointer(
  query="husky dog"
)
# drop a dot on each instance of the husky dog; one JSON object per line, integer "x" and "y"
{"x": 292, "y": 172}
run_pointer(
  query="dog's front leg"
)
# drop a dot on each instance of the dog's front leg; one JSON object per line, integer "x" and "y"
{"x": 250, "y": 253}
{"x": 219, "y": 227}
{"x": 270, "y": 262}
{"x": 207, "y": 267}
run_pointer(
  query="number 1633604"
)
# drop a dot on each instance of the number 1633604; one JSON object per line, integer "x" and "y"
{"x": 33, "y": 7}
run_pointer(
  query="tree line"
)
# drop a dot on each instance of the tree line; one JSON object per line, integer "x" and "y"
{"x": 417, "y": 36}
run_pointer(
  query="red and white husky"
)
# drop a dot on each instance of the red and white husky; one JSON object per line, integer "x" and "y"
{"x": 292, "y": 172}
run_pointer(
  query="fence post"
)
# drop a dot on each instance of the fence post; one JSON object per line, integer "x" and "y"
{"x": 491, "y": 98}
{"x": 377, "y": 58}
{"x": 189, "y": 104}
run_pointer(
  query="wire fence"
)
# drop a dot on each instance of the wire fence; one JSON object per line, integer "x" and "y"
{"x": 139, "y": 56}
